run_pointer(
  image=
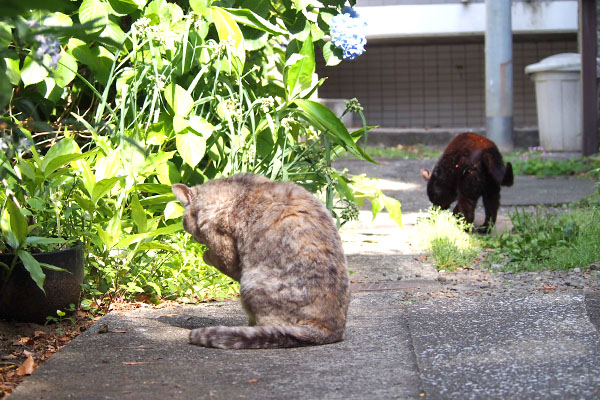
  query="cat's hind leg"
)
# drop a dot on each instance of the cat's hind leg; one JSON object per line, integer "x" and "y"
{"x": 466, "y": 207}
{"x": 491, "y": 203}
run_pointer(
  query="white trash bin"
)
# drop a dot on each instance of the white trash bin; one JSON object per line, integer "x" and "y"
{"x": 558, "y": 98}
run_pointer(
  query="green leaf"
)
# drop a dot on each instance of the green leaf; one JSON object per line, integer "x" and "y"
{"x": 12, "y": 71}
{"x": 93, "y": 11}
{"x": 54, "y": 157}
{"x": 33, "y": 267}
{"x": 108, "y": 167}
{"x": 32, "y": 72}
{"x": 138, "y": 215}
{"x": 5, "y": 83}
{"x": 157, "y": 11}
{"x": 179, "y": 99}
{"x": 199, "y": 6}
{"x": 180, "y": 123}
{"x": 156, "y": 288}
{"x": 102, "y": 187}
{"x": 124, "y": 7}
{"x": 54, "y": 268}
{"x": 86, "y": 204}
{"x": 154, "y": 188}
{"x": 173, "y": 210}
{"x": 324, "y": 119}
{"x": 127, "y": 240}
{"x": 66, "y": 69}
{"x": 114, "y": 33}
{"x": 201, "y": 126}
{"x": 394, "y": 208}
{"x": 229, "y": 31}
{"x": 191, "y": 148}
{"x": 332, "y": 55}
{"x": 157, "y": 246}
{"x": 249, "y": 18}
{"x": 60, "y": 161}
{"x": 155, "y": 200}
{"x": 376, "y": 205}
{"x": 7, "y": 233}
{"x": 107, "y": 239}
{"x": 300, "y": 67}
{"x": 97, "y": 58}
{"x": 5, "y": 34}
{"x": 18, "y": 223}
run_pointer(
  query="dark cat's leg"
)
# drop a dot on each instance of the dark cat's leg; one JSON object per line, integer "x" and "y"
{"x": 466, "y": 207}
{"x": 491, "y": 203}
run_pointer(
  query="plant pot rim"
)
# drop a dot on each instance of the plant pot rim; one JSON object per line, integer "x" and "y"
{"x": 76, "y": 244}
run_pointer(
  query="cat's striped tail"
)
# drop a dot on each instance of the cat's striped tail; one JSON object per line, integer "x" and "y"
{"x": 262, "y": 337}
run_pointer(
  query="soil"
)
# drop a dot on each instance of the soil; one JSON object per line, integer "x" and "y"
{"x": 24, "y": 346}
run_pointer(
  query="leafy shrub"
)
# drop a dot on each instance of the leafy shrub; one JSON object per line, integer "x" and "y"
{"x": 147, "y": 94}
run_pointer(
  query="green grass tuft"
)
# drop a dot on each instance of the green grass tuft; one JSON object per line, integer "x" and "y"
{"x": 542, "y": 241}
{"x": 447, "y": 239}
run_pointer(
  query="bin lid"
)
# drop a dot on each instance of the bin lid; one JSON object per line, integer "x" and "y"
{"x": 558, "y": 62}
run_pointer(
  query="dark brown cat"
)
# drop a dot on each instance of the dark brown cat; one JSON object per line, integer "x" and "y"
{"x": 281, "y": 244}
{"x": 470, "y": 167}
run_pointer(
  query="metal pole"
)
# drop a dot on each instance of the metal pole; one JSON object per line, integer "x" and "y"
{"x": 499, "y": 74}
{"x": 588, "y": 43}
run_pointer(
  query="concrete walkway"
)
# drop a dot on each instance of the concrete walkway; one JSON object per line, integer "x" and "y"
{"x": 405, "y": 337}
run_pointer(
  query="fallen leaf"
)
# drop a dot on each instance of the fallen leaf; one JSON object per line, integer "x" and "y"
{"x": 422, "y": 258}
{"x": 27, "y": 367}
{"x": 22, "y": 341}
{"x": 27, "y": 353}
{"x": 547, "y": 287}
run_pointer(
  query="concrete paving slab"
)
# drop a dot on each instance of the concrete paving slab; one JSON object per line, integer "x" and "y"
{"x": 540, "y": 346}
{"x": 402, "y": 180}
{"x": 145, "y": 355}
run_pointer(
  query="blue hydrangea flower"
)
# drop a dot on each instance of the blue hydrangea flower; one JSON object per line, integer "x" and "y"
{"x": 348, "y": 33}
{"x": 48, "y": 45}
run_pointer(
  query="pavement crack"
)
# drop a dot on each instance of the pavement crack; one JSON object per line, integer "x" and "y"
{"x": 413, "y": 351}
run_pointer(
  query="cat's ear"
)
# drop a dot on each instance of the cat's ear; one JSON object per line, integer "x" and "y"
{"x": 426, "y": 174}
{"x": 183, "y": 193}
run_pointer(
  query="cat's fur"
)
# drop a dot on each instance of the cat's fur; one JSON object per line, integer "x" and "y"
{"x": 470, "y": 167}
{"x": 281, "y": 244}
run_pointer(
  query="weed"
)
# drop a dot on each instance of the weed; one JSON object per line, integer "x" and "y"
{"x": 548, "y": 241}
{"x": 400, "y": 151}
{"x": 535, "y": 161}
{"x": 447, "y": 238}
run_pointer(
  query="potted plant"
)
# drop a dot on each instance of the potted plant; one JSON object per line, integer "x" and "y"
{"x": 41, "y": 260}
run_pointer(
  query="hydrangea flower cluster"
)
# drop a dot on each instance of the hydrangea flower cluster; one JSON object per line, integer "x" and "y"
{"x": 348, "y": 33}
{"x": 48, "y": 45}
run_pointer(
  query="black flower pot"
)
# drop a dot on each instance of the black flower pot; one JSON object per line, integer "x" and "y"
{"x": 21, "y": 299}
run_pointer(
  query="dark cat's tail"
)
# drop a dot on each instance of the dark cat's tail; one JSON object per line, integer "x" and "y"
{"x": 262, "y": 337}
{"x": 508, "y": 176}
{"x": 502, "y": 174}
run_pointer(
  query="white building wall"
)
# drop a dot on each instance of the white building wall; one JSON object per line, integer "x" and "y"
{"x": 430, "y": 73}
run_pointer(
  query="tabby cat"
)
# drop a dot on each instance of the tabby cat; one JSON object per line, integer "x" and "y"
{"x": 281, "y": 244}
